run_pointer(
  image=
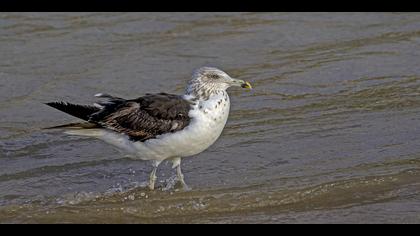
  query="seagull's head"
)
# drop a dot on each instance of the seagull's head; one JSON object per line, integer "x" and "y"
{"x": 207, "y": 80}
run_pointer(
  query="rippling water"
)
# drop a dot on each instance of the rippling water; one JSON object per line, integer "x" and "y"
{"x": 329, "y": 134}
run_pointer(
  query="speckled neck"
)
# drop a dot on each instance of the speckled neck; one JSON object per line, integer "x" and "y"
{"x": 202, "y": 91}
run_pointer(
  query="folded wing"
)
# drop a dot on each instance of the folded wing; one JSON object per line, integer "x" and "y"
{"x": 141, "y": 119}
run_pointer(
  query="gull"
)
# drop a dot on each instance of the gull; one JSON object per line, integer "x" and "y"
{"x": 161, "y": 126}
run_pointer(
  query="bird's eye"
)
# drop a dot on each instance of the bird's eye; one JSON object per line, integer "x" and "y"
{"x": 214, "y": 76}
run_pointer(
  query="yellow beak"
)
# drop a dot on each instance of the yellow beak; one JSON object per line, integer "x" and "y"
{"x": 246, "y": 85}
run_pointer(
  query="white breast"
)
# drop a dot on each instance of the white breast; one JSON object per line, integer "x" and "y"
{"x": 208, "y": 118}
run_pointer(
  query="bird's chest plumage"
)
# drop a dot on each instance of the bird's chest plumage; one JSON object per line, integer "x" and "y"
{"x": 208, "y": 118}
{"x": 214, "y": 111}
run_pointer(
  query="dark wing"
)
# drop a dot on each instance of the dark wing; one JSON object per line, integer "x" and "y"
{"x": 145, "y": 117}
{"x": 80, "y": 111}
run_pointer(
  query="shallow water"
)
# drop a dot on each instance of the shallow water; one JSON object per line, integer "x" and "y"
{"x": 329, "y": 134}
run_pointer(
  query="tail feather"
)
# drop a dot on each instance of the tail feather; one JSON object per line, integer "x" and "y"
{"x": 80, "y": 111}
{"x": 78, "y": 125}
{"x": 86, "y": 132}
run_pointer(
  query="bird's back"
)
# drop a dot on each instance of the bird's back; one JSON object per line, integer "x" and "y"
{"x": 140, "y": 119}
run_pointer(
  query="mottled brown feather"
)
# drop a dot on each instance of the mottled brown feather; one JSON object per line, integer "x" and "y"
{"x": 145, "y": 117}
{"x": 141, "y": 119}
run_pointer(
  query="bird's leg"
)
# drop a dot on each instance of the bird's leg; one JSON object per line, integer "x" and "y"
{"x": 181, "y": 178}
{"x": 176, "y": 162}
{"x": 152, "y": 179}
